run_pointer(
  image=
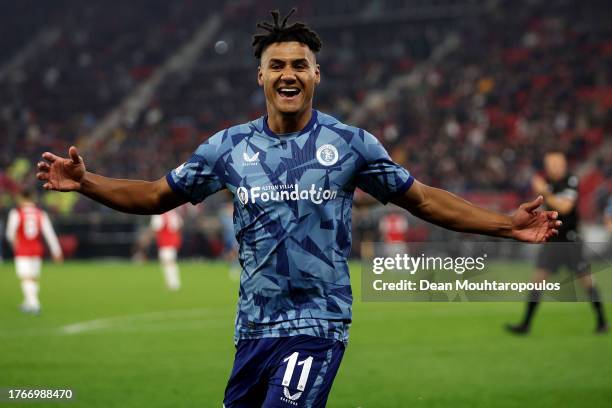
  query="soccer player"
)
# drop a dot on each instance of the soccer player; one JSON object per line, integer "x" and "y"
{"x": 560, "y": 192}
{"x": 167, "y": 227}
{"x": 292, "y": 174}
{"x": 394, "y": 227}
{"x": 26, "y": 226}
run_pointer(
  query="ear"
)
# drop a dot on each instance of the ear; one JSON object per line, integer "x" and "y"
{"x": 259, "y": 76}
{"x": 317, "y": 74}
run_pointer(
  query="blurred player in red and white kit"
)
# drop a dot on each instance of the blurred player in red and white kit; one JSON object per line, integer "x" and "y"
{"x": 393, "y": 227}
{"x": 167, "y": 227}
{"x": 26, "y": 226}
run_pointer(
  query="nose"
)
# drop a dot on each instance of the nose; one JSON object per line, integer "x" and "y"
{"x": 288, "y": 76}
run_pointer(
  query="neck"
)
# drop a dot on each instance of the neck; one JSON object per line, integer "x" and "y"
{"x": 281, "y": 123}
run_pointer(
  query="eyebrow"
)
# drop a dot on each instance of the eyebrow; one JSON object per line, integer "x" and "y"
{"x": 295, "y": 61}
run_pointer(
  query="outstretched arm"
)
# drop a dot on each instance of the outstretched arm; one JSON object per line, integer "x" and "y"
{"x": 452, "y": 212}
{"x": 131, "y": 196}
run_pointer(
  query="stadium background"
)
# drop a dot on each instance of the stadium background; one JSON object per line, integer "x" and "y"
{"x": 466, "y": 94}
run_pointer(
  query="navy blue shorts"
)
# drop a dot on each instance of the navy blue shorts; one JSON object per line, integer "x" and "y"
{"x": 283, "y": 372}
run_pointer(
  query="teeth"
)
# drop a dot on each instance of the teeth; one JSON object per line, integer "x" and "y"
{"x": 289, "y": 90}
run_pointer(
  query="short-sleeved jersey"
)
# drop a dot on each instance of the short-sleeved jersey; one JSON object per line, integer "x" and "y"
{"x": 394, "y": 228}
{"x": 25, "y": 229}
{"x": 566, "y": 187}
{"x": 292, "y": 198}
{"x": 168, "y": 229}
{"x": 28, "y": 240}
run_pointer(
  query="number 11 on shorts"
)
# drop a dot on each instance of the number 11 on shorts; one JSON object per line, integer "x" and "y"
{"x": 291, "y": 362}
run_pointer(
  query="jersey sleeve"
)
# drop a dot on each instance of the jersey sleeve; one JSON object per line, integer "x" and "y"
{"x": 378, "y": 175}
{"x": 204, "y": 173}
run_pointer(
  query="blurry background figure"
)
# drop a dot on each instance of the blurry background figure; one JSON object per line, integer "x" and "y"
{"x": 393, "y": 229}
{"x": 26, "y": 226}
{"x": 1, "y": 243}
{"x": 560, "y": 191}
{"x": 167, "y": 227}
{"x": 608, "y": 216}
{"x": 230, "y": 245}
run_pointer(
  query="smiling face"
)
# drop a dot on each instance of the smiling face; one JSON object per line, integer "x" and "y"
{"x": 288, "y": 74}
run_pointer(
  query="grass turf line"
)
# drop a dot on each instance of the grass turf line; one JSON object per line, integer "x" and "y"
{"x": 150, "y": 347}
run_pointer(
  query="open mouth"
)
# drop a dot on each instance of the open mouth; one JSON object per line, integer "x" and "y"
{"x": 288, "y": 92}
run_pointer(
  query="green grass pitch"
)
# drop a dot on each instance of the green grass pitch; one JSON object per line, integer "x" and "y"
{"x": 114, "y": 335}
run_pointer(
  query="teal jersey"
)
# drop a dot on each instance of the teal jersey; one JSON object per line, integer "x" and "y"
{"x": 293, "y": 195}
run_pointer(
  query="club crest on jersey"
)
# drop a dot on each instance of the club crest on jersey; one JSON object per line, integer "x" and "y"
{"x": 250, "y": 159}
{"x": 243, "y": 195}
{"x": 327, "y": 155}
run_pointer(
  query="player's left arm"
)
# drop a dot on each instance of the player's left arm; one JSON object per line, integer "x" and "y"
{"x": 447, "y": 210}
{"x": 51, "y": 238}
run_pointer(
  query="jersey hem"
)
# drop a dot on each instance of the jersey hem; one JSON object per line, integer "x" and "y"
{"x": 176, "y": 188}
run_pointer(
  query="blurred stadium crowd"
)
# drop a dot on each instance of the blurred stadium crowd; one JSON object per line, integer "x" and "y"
{"x": 468, "y": 95}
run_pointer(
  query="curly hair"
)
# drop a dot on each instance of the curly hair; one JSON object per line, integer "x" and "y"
{"x": 279, "y": 31}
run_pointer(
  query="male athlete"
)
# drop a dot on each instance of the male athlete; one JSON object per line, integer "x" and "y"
{"x": 292, "y": 174}
{"x": 26, "y": 226}
{"x": 560, "y": 192}
{"x": 167, "y": 227}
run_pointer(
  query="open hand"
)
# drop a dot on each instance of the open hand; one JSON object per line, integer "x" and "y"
{"x": 531, "y": 225}
{"x": 61, "y": 174}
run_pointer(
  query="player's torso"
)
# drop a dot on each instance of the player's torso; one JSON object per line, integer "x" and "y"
{"x": 394, "y": 228}
{"x": 292, "y": 200}
{"x": 567, "y": 185}
{"x": 169, "y": 233}
{"x": 29, "y": 232}
{"x": 292, "y": 188}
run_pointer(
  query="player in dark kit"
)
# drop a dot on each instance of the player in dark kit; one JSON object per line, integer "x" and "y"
{"x": 292, "y": 174}
{"x": 560, "y": 191}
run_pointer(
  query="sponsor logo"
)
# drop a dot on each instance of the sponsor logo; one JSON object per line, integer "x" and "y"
{"x": 290, "y": 399}
{"x": 285, "y": 192}
{"x": 250, "y": 160}
{"x": 327, "y": 155}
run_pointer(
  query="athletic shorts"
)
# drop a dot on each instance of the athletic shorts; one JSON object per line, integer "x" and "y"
{"x": 283, "y": 372}
{"x": 555, "y": 255}
{"x": 167, "y": 254}
{"x": 28, "y": 267}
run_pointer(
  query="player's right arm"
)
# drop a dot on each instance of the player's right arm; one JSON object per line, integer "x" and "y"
{"x": 11, "y": 227}
{"x": 131, "y": 196}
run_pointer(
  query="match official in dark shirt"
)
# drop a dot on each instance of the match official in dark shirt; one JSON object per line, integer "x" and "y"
{"x": 560, "y": 191}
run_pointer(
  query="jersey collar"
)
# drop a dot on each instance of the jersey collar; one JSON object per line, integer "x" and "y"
{"x": 307, "y": 128}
